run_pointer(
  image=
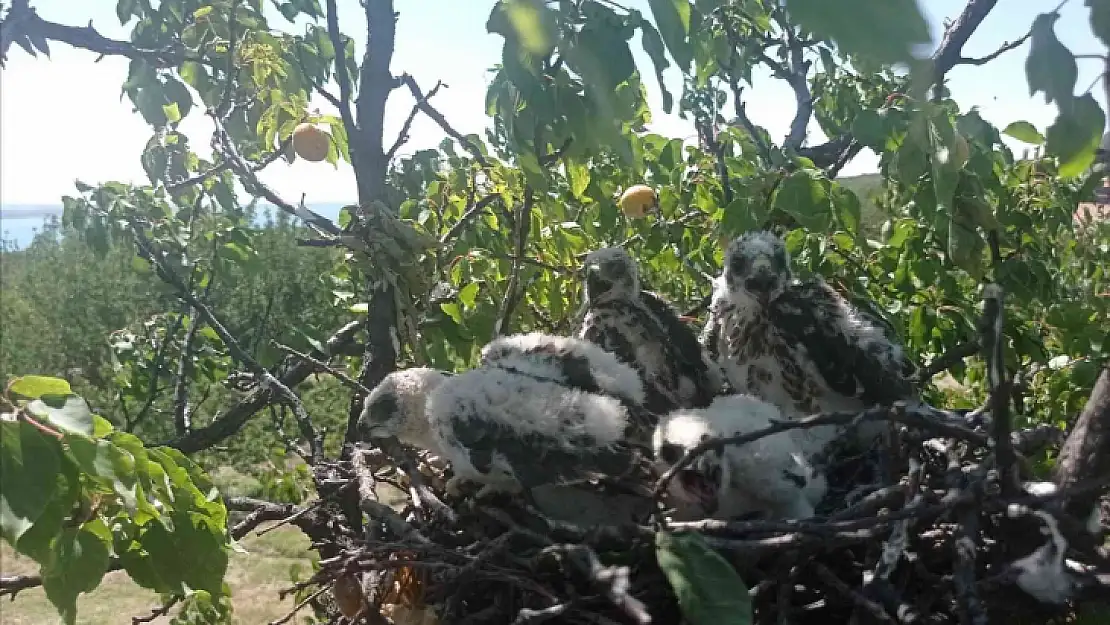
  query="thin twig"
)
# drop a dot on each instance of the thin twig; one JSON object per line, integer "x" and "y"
{"x": 522, "y": 223}
{"x": 158, "y": 612}
{"x": 468, "y": 216}
{"x": 300, "y": 606}
{"x": 323, "y": 366}
{"x": 437, "y": 117}
{"x": 403, "y": 136}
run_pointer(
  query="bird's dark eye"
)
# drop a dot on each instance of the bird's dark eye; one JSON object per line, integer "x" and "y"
{"x": 670, "y": 453}
{"x": 739, "y": 264}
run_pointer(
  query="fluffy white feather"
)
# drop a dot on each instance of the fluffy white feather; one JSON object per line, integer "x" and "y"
{"x": 507, "y": 430}
{"x": 396, "y": 407}
{"x": 769, "y": 476}
{"x": 1043, "y": 574}
{"x": 554, "y": 357}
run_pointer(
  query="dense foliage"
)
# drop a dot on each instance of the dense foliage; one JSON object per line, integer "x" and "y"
{"x": 174, "y": 315}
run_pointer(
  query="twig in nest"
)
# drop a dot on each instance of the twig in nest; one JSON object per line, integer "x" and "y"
{"x": 287, "y": 520}
{"x": 422, "y": 495}
{"x": 834, "y": 582}
{"x": 300, "y": 606}
{"x": 368, "y": 502}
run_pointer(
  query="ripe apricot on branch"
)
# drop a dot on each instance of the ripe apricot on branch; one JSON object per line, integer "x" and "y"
{"x": 637, "y": 200}
{"x": 310, "y": 142}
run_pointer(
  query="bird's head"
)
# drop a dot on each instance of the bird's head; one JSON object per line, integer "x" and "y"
{"x": 757, "y": 262}
{"x": 395, "y": 407}
{"x": 611, "y": 271}
{"x": 700, "y": 482}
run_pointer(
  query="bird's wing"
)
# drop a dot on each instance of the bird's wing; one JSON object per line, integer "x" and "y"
{"x": 683, "y": 348}
{"x": 711, "y": 334}
{"x": 813, "y": 315}
{"x": 621, "y": 329}
{"x": 536, "y": 458}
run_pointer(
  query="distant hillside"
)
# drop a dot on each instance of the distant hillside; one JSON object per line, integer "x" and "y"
{"x": 866, "y": 186}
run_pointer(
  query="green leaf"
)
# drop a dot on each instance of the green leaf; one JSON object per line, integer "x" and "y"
{"x": 708, "y": 589}
{"x": 673, "y": 19}
{"x": 79, "y": 562}
{"x": 804, "y": 198}
{"x": 1024, "y": 131}
{"x": 1076, "y": 134}
{"x": 70, "y": 413}
{"x": 603, "y": 57}
{"x": 35, "y": 386}
{"x": 868, "y": 129}
{"x": 29, "y": 462}
{"x": 578, "y": 176}
{"x": 883, "y": 31}
{"x": 125, "y": 9}
{"x": 848, "y": 208}
{"x": 1100, "y": 19}
{"x": 533, "y": 23}
{"x": 653, "y": 45}
{"x": 172, "y": 112}
{"x": 1050, "y": 66}
{"x": 101, "y": 427}
{"x": 468, "y": 293}
{"x": 359, "y": 309}
{"x": 452, "y": 310}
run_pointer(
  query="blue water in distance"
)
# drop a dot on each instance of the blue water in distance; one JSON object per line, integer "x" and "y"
{"x": 20, "y": 222}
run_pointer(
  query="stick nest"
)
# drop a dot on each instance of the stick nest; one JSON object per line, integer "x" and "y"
{"x": 917, "y": 530}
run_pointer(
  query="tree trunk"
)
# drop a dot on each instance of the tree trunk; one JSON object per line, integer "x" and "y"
{"x": 1086, "y": 452}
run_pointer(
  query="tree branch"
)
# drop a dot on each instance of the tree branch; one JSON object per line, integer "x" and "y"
{"x": 949, "y": 53}
{"x": 375, "y": 84}
{"x": 181, "y": 383}
{"x": 523, "y": 225}
{"x": 1006, "y": 47}
{"x": 468, "y": 216}
{"x": 232, "y": 420}
{"x": 264, "y": 377}
{"x": 22, "y": 22}
{"x": 1086, "y": 452}
{"x": 343, "y": 103}
{"x": 437, "y": 117}
{"x": 403, "y": 136}
{"x": 991, "y": 338}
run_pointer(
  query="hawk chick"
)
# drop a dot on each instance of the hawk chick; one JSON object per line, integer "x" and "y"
{"x": 769, "y": 476}
{"x": 511, "y": 431}
{"x": 643, "y": 330}
{"x": 800, "y": 346}
{"x": 573, "y": 363}
{"x": 396, "y": 407}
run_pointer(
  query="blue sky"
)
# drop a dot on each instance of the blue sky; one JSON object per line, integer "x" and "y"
{"x": 63, "y": 118}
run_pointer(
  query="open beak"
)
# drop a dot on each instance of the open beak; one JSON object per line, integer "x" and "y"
{"x": 701, "y": 488}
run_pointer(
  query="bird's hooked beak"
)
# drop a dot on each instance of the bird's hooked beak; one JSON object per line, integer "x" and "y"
{"x": 595, "y": 282}
{"x": 761, "y": 278}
